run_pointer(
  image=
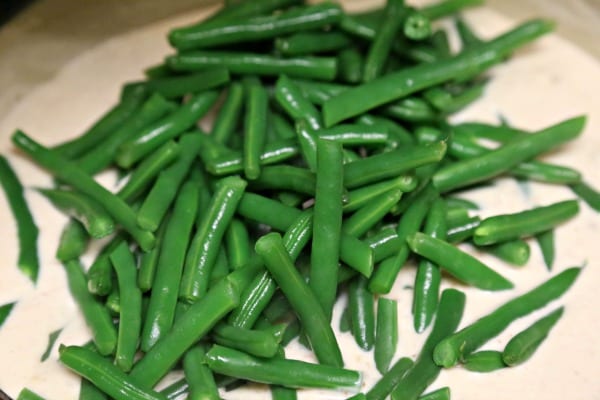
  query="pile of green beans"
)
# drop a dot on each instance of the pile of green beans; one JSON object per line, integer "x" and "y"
{"x": 330, "y": 166}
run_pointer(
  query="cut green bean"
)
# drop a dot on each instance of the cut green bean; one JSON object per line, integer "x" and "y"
{"x": 371, "y": 213}
{"x": 94, "y": 313}
{"x": 88, "y": 391}
{"x": 305, "y": 43}
{"x": 5, "y": 310}
{"x": 97, "y": 222}
{"x": 416, "y": 26}
{"x": 255, "y": 126}
{"x": 246, "y": 9}
{"x": 424, "y": 371}
{"x": 545, "y": 241}
{"x": 68, "y": 172}
{"x": 515, "y": 252}
{"x": 100, "y": 274}
{"x": 525, "y": 223}
{"x": 463, "y": 231}
{"x": 384, "y": 386}
{"x": 384, "y": 243}
{"x": 229, "y": 114}
{"x": 283, "y": 372}
{"x": 148, "y": 260}
{"x": 484, "y": 361}
{"x": 350, "y": 65}
{"x": 324, "y": 68}
{"x": 73, "y": 241}
{"x": 377, "y": 92}
{"x": 357, "y": 198}
{"x": 286, "y": 177}
{"x": 452, "y": 349}
{"x": 361, "y": 304}
{"x": 237, "y": 240}
{"x": 260, "y": 343}
{"x": 588, "y": 194}
{"x": 154, "y": 135}
{"x": 26, "y": 394}
{"x": 52, "y": 337}
{"x": 290, "y": 98}
{"x": 27, "y": 231}
{"x": 178, "y": 86}
{"x": 327, "y": 224}
{"x": 440, "y": 394}
{"x": 200, "y": 378}
{"x": 459, "y": 264}
{"x": 356, "y": 134}
{"x": 522, "y": 346}
{"x": 130, "y": 317}
{"x": 204, "y": 246}
{"x": 310, "y": 312}
{"x": 386, "y": 335}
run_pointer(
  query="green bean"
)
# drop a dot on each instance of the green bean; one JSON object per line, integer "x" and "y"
{"x": 428, "y": 278}
{"x": 273, "y": 153}
{"x": 384, "y": 386}
{"x": 290, "y": 98}
{"x": 165, "y": 288}
{"x": 350, "y": 65}
{"x": 26, "y": 394}
{"x": 361, "y": 305}
{"x": 97, "y": 222}
{"x": 220, "y": 268}
{"x": 484, "y": 361}
{"x": 305, "y": 43}
{"x": 379, "y": 49}
{"x": 188, "y": 329}
{"x": 412, "y": 109}
{"x": 525, "y": 223}
{"x": 522, "y": 346}
{"x": 200, "y": 378}
{"x": 203, "y": 248}
{"x": 447, "y": 7}
{"x": 95, "y": 315}
{"x": 587, "y": 193}
{"x": 100, "y": 273}
{"x": 318, "y": 92}
{"x": 237, "y": 240}
{"x": 496, "y": 133}
{"x": 229, "y": 114}
{"x": 267, "y": 211}
{"x": 73, "y": 241}
{"x": 148, "y": 260}
{"x": 497, "y": 161}
{"x": 416, "y": 26}
{"x": 386, "y": 336}
{"x": 409, "y": 80}
{"x": 68, "y": 172}
{"x": 178, "y": 86}
{"x": 165, "y": 187}
{"x": 100, "y": 157}
{"x": 384, "y": 276}
{"x": 515, "y": 252}
{"x": 288, "y": 373}
{"x": 452, "y": 349}
{"x": 391, "y": 164}
{"x": 360, "y": 197}
{"x": 113, "y": 301}
{"x": 152, "y": 136}
{"x": 147, "y": 170}
{"x": 264, "y": 27}
{"x": 440, "y": 394}
{"x": 356, "y": 134}
{"x": 104, "y": 375}
{"x": 247, "y": 9}
{"x": 424, "y": 371}
{"x": 130, "y": 318}
{"x": 256, "y": 64}
{"x": 27, "y": 231}
{"x": 459, "y": 264}
{"x": 305, "y": 304}
{"x": 257, "y": 342}
{"x": 5, "y": 310}
{"x": 307, "y": 138}
{"x": 286, "y": 177}
{"x": 103, "y": 127}
{"x": 88, "y": 391}
{"x": 327, "y": 224}
{"x": 255, "y": 126}
{"x": 284, "y": 129}
{"x": 371, "y": 213}
{"x": 397, "y": 133}
{"x": 464, "y": 231}
{"x": 546, "y": 243}
{"x": 384, "y": 243}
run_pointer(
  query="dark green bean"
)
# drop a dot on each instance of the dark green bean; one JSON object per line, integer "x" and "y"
{"x": 267, "y": 211}
{"x": 424, "y": 371}
{"x": 198, "y": 376}
{"x": 178, "y": 86}
{"x": 398, "y": 134}
{"x": 286, "y": 177}
{"x": 371, "y": 213}
{"x": 73, "y": 241}
{"x": 327, "y": 224}
{"x": 356, "y": 134}
{"x": 307, "y": 138}
{"x": 515, "y": 251}
{"x": 255, "y": 126}
{"x": 409, "y": 80}
{"x": 305, "y": 43}
{"x": 546, "y": 243}
{"x": 165, "y": 187}
{"x": 257, "y": 342}
{"x": 284, "y": 129}
{"x": 247, "y": 9}
{"x": 459, "y": 264}
{"x": 203, "y": 248}
{"x": 69, "y": 172}
{"x": 360, "y": 197}
{"x": 452, "y": 349}
{"x": 165, "y": 288}
{"x": 88, "y": 391}
{"x": 97, "y": 222}
{"x": 102, "y": 373}
{"x": 386, "y": 335}
{"x": 187, "y": 330}
{"x": 5, "y": 310}
{"x": 522, "y": 346}
{"x": 350, "y": 65}
{"x": 288, "y": 373}
{"x": 484, "y": 361}
{"x": 96, "y": 316}
{"x": 440, "y": 394}
{"x": 525, "y": 223}
{"x": 291, "y": 99}
{"x": 310, "y": 312}
{"x": 27, "y": 231}
{"x": 113, "y": 301}
{"x": 130, "y": 318}
{"x": 361, "y": 305}
{"x": 256, "y": 64}
{"x": 588, "y": 194}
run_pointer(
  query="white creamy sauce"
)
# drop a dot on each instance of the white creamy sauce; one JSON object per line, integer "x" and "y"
{"x": 543, "y": 84}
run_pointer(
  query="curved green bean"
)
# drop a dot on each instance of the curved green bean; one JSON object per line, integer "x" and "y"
{"x": 289, "y": 96}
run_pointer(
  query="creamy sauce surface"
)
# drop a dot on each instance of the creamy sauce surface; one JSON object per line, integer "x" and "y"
{"x": 544, "y": 83}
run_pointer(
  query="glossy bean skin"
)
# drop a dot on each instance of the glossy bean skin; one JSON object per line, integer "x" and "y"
{"x": 27, "y": 230}
{"x": 515, "y": 252}
{"x": 237, "y": 240}
{"x": 305, "y": 43}
{"x": 452, "y": 349}
{"x": 100, "y": 274}
{"x": 290, "y": 98}
{"x": 257, "y": 342}
{"x": 324, "y": 68}
{"x": 361, "y": 304}
{"x": 148, "y": 261}
{"x": 386, "y": 333}
{"x": 424, "y": 370}
{"x": 229, "y": 113}
{"x": 522, "y": 346}
{"x": 263, "y": 27}
{"x": 463, "y": 231}
{"x": 525, "y": 223}
{"x": 359, "y": 197}
{"x": 286, "y": 177}
{"x": 384, "y": 243}
{"x": 199, "y": 377}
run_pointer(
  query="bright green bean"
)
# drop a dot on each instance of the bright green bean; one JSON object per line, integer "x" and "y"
{"x": 484, "y": 361}
{"x": 200, "y": 378}
{"x": 358, "y": 198}
{"x": 545, "y": 241}
{"x": 361, "y": 305}
{"x": 229, "y": 114}
{"x": 384, "y": 243}
{"x": 73, "y": 241}
{"x": 588, "y": 194}
{"x": 386, "y": 333}
{"x": 286, "y": 177}
{"x": 384, "y": 386}
{"x": 100, "y": 274}
{"x": 148, "y": 260}
{"x": 305, "y": 43}
{"x": 371, "y": 213}
{"x": 26, "y": 394}
{"x": 237, "y": 240}
{"x": 255, "y": 126}
{"x": 515, "y": 252}
{"x": 416, "y": 26}
{"x": 463, "y": 231}
{"x": 258, "y": 342}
